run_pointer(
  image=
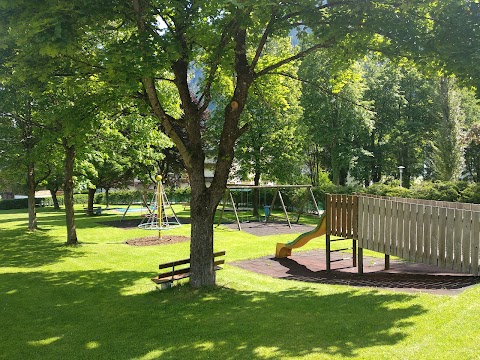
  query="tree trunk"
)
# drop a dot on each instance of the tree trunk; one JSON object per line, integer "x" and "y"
{"x": 91, "y": 198}
{"x": 107, "y": 195}
{"x": 32, "y": 212}
{"x": 53, "y": 193}
{"x": 68, "y": 193}
{"x": 202, "y": 213}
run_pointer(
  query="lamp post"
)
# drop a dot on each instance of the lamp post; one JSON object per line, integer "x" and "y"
{"x": 400, "y": 168}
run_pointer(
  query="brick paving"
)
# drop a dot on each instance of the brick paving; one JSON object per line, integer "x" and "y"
{"x": 309, "y": 266}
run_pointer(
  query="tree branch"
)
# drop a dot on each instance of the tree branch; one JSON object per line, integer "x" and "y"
{"x": 320, "y": 87}
{"x": 297, "y": 56}
{"x": 263, "y": 40}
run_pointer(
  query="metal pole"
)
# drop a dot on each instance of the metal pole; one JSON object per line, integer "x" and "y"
{"x": 159, "y": 204}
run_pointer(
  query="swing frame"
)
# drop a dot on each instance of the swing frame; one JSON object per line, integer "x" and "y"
{"x": 277, "y": 193}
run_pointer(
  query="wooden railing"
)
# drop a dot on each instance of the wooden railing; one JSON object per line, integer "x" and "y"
{"x": 342, "y": 220}
{"x": 438, "y": 233}
{"x": 341, "y": 215}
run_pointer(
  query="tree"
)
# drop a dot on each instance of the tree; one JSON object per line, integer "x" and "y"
{"x": 447, "y": 147}
{"x": 472, "y": 153}
{"x": 335, "y": 113}
{"x": 24, "y": 144}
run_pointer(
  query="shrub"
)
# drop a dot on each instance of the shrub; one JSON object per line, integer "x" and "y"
{"x": 11, "y": 204}
{"x": 471, "y": 194}
{"x": 178, "y": 194}
{"x": 120, "y": 197}
{"x": 439, "y": 190}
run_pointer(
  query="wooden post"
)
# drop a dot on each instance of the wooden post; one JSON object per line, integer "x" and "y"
{"x": 328, "y": 231}
{"x": 354, "y": 222}
{"x": 360, "y": 261}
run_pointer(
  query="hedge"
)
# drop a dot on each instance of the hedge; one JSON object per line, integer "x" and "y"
{"x": 11, "y": 204}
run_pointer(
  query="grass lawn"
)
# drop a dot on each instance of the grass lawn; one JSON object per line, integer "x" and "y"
{"x": 96, "y": 301}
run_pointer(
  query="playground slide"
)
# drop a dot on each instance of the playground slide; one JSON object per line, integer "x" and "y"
{"x": 284, "y": 250}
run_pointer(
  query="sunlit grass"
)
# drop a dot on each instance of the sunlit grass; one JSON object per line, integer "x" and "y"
{"x": 96, "y": 301}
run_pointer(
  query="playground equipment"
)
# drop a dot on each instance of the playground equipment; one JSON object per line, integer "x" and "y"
{"x": 284, "y": 250}
{"x": 268, "y": 209}
{"x": 163, "y": 216}
{"x": 442, "y": 234}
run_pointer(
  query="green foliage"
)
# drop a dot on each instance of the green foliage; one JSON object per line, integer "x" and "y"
{"x": 471, "y": 194}
{"x": 178, "y": 194}
{"x": 13, "y": 204}
{"x": 120, "y": 197}
{"x": 440, "y": 191}
{"x": 336, "y": 118}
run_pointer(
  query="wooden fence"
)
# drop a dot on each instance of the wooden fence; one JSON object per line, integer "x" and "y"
{"x": 437, "y": 233}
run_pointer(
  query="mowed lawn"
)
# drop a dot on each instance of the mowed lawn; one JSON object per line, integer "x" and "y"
{"x": 96, "y": 301}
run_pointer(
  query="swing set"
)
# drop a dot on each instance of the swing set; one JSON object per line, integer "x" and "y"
{"x": 277, "y": 189}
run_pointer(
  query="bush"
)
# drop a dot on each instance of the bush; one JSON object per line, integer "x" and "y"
{"x": 439, "y": 190}
{"x": 120, "y": 197}
{"x": 11, "y": 204}
{"x": 471, "y": 194}
{"x": 178, "y": 194}
{"x": 321, "y": 191}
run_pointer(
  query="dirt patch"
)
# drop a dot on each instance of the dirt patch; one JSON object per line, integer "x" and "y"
{"x": 155, "y": 240}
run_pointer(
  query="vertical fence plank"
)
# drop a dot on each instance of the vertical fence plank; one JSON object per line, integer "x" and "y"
{"x": 381, "y": 236}
{"x": 388, "y": 227}
{"x": 450, "y": 233}
{"x": 475, "y": 242}
{"x": 376, "y": 225}
{"x": 434, "y": 236}
{"x": 466, "y": 241}
{"x": 442, "y": 233}
{"x": 371, "y": 209}
{"x": 355, "y": 216}
{"x": 412, "y": 248}
{"x": 338, "y": 215}
{"x": 349, "y": 219}
{"x": 393, "y": 231}
{"x": 457, "y": 240}
{"x": 427, "y": 235}
{"x": 419, "y": 253}
{"x": 406, "y": 229}
{"x": 331, "y": 209}
{"x": 362, "y": 225}
{"x": 344, "y": 216}
{"x": 400, "y": 237}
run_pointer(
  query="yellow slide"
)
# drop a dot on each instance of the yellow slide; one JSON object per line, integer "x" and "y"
{"x": 284, "y": 250}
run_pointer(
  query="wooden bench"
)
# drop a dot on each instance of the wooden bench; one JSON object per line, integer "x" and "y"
{"x": 180, "y": 269}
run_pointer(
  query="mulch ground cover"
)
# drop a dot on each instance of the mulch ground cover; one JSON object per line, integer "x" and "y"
{"x": 310, "y": 266}
{"x": 155, "y": 240}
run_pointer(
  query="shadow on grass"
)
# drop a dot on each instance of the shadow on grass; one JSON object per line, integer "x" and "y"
{"x": 92, "y": 314}
{"x": 23, "y": 248}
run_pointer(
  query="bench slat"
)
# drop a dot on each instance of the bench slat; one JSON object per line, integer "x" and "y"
{"x": 186, "y": 261}
{"x": 171, "y": 274}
